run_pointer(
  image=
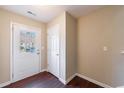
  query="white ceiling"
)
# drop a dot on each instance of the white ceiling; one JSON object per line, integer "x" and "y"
{"x": 45, "y": 13}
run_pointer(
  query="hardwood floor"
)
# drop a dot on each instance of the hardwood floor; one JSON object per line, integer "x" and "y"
{"x": 47, "y": 80}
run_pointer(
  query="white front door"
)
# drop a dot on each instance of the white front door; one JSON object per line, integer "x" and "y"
{"x": 53, "y": 50}
{"x": 26, "y": 51}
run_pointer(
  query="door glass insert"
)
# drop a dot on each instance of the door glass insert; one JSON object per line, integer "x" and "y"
{"x": 27, "y": 41}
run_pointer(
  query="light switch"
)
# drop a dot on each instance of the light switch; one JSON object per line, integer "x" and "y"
{"x": 105, "y": 48}
{"x": 122, "y": 52}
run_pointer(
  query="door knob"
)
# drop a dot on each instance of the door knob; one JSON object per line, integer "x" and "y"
{"x": 38, "y": 53}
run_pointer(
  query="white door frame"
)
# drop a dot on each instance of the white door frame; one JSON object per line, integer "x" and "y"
{"x": 59, "y": 50}
{"x": 11, "y": 48}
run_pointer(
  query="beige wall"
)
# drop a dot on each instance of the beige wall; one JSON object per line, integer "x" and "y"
{"x": 71, "y": 30}
{"x": 5, "y": 19}
{"x": 61, "y": 21}
{"x": 104, "y": 27}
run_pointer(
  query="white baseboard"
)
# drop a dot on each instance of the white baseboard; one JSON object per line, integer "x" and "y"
{"x": 94, "y": 81}
{"x": 43, "y": 70}
{"x": 9, "y": 82}
{"x": 5, "y": 84}
{"x": 63, "y": 81}
{"x": 70, "y": 78}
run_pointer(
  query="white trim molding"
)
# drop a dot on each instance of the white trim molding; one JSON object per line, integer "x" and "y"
{"x": 93, "y": 81}
{"x": 9, "y": 82}
{"x": 86, "y": 78}
{"x": 70, "y": 78}
{"x": 63, "y": 81}
{"x": 42, "y": 70}
{"x": 5, "y": 84}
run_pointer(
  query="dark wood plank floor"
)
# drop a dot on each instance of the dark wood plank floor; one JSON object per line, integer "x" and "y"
{"x": 47, "y": 80}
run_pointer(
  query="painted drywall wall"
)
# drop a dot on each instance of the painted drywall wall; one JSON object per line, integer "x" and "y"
{"x": 104, "y": 27}
{"x": 60, "y": 20}
{"x": 5, "y": 19}
{"x": 71, "y": 45}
